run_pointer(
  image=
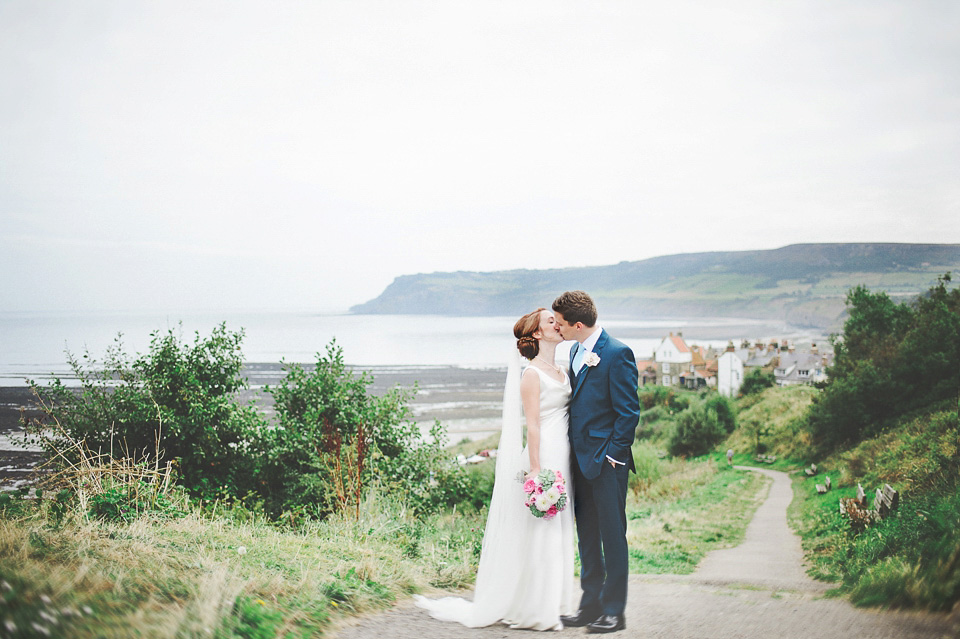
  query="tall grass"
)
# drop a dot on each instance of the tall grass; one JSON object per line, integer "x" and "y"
{"x": 770, "y": 422}
{"x": 203, "y": 575}
{"x": 912, "y": 558}
{"x": 679, "y": 510}
{"x": 226, "y": 571}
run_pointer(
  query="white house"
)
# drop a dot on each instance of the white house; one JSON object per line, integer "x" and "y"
{"x": 802, "y": 368}
{"x": 729, "y": 374}
{"x": 673, "y": 358}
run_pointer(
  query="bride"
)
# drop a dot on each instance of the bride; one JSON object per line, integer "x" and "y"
{"x": 525, "y": 578}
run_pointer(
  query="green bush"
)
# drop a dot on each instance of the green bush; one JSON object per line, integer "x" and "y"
{"x": 665, "y": 396}
{"x": 890, "y": 360}
{"x": 755, "y": 381}
{"x": 725, "y": 410}
{"x": 176, "y": 402}
{"x": 334, "y": 441}
{"x": 126, "y": 501}
{"x": 702, "y": 426}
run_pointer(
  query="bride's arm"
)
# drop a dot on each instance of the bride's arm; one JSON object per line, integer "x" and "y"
{"x": 530, "y": 395}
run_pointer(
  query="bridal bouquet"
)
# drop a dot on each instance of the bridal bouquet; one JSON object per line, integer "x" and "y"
{"x": 546, "y": 494}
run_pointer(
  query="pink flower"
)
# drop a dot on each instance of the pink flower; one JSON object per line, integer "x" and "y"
{"x": 529, "y": 486}
{"x": 559, "y": 475}
{"x": 551, "y": 512}
{"x": 539, "y": 489}
{"x": 560, "y": 487}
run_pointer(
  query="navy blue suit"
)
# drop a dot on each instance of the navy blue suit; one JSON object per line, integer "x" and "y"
{"x": 604, "y": 411}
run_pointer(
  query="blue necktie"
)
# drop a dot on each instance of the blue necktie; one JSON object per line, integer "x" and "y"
{"x": 578, "y": 359}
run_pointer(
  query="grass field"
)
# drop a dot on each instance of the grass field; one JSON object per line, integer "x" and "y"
{"x": 687, "y": 510}
{"x": 227, "y": 572}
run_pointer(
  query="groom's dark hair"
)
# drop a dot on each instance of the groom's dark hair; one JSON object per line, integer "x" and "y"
{"x": 576, "y": 306}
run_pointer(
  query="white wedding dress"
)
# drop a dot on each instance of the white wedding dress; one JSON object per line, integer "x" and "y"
{"x": 525, "y": 577}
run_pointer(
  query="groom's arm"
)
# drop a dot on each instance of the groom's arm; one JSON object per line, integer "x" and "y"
{"x": 626, "y": 404}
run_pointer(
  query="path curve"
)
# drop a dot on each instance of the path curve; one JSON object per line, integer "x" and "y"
{"x": 758, "y": 590}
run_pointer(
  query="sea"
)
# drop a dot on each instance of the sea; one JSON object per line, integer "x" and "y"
{"x": 457, "y": 363}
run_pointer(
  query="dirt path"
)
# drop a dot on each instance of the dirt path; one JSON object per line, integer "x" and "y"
{"x": 757, "y": 590}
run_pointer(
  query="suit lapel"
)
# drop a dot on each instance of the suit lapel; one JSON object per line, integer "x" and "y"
{"x": 573, "y": 353}
{"x": 601, "y": 342}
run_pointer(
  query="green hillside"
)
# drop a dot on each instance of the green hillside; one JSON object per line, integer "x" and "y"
{"x": 801, "y": 284}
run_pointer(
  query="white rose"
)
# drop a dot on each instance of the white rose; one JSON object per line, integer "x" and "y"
{"x": 552, "y": 495}
{"x": 542, "y": 503}
{"x": 591, "y": 358}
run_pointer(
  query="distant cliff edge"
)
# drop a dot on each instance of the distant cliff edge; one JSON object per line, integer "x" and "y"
{"x": 801, "y": 284}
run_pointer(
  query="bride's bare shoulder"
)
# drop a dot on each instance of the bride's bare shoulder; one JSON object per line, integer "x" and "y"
{"x": 530, "y": 377}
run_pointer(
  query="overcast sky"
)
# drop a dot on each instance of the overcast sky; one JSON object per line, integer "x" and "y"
{"x": 279, "y": 155}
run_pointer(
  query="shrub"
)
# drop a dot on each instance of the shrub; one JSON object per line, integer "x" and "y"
{"x": 890, "y": 360}
{"x": 665, "y": 396}
{"x": 176, "y": 402}
{"x": 654, "y": 396}
{"x": 334, "y": 441}
{"x": 755, "y": 381}
{"x": 695, "y": 433}
{"x": 724, "y": 409}
{"x": 702, "y": 426}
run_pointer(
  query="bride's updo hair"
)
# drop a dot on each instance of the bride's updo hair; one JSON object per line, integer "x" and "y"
{"x": 524, "y": 329}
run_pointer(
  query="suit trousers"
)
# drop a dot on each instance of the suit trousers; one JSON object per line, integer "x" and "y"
{"x": 600, "y": 509}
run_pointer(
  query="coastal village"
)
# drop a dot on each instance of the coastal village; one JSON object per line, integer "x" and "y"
{"x": 676, "y": 363}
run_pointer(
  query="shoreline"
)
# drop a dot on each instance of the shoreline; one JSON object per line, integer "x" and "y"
{"x": 467, "y": 400}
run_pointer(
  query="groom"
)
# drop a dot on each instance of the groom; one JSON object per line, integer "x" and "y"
{"x": 604, "y": 411}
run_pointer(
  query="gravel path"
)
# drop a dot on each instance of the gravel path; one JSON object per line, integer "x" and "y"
{"x": 757, "y": 590}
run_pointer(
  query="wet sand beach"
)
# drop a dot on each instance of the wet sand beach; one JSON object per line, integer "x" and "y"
{"x": 16, "y": 464}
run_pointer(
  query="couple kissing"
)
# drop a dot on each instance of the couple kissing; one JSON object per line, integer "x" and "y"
{"x": 580, "y": 424}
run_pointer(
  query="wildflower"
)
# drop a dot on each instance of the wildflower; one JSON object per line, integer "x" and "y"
{"x": 334, "y": 604}
{"x": 10, "y": 626}
{"x": 261, "y": 602}
{"x": 242, "y": 550}
{"x": 48, "y": 617}
{"x": 5, "y": 586}
{"x": 88, "y": 610}
{"x": 41, "y": 629}
{"x": 45, "y": 599}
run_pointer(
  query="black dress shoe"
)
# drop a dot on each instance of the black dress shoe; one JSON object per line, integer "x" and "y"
{"x": 579, "y": 618}
{"x": 608, "y": 623}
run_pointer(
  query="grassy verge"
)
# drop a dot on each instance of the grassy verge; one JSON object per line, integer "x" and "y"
{"x": 680, "y": 510}
{"x": 213, "y": 576}
{"x": 230, "y": 573}
{"x": 771, "y": 420}
{"x": 910, "y": 559}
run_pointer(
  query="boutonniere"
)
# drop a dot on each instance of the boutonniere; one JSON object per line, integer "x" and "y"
{"x": 591, "y": 359}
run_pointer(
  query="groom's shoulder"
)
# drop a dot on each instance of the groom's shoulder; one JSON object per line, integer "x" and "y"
{"x": 616, "y": 345}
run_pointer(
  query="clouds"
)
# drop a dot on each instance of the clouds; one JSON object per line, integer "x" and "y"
{"x": 319, "y": 150}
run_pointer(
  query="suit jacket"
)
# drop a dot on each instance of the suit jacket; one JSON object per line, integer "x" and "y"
{"x": 604, "y": 406}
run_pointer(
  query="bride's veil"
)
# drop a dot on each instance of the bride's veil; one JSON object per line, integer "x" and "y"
{"x": 500, "y": 557}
